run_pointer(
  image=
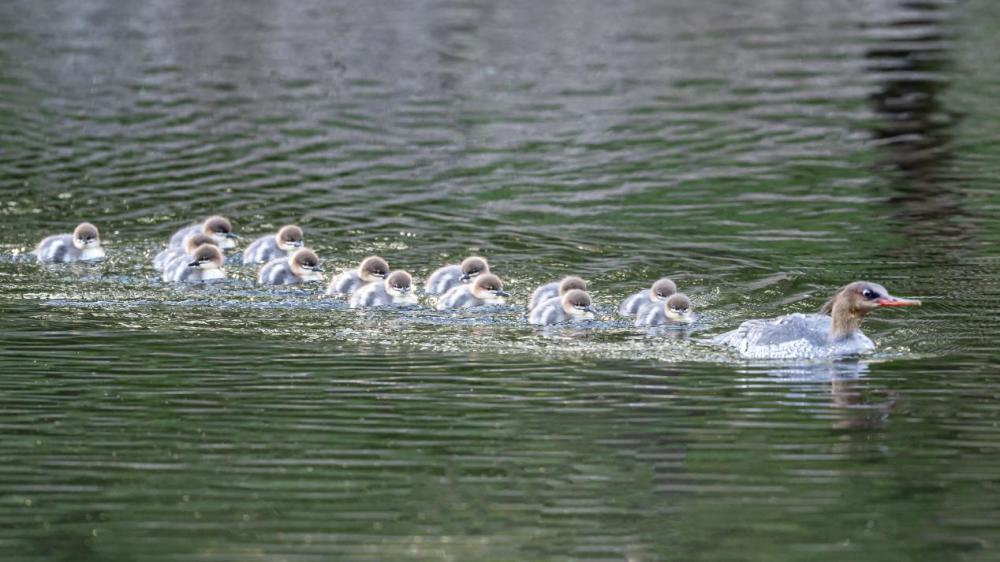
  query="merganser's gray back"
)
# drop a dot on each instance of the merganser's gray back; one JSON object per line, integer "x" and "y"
{"x": 793, "y": 336}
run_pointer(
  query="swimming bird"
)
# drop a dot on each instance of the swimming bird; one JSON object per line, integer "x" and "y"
{"x": 217, "y": 227}
{"x": 205, "y": 265}
{"x": 445, "y": 278}
{"x": 572, "y": 306}
{"x": 396, "y": 290}
{"x": 555, "y": 289}
{"x": 281, "y": 245}
{"x": 677, "y": 309}
{"x": 301, "y": 267}
{"x": 83, "y": 245}
{"x": 836, "y": 330}
{"x": 164, "y": 258}
{"x": 372, "y": 269}
{"x": 486, "y": 289}
{"x": 661, "y": 290}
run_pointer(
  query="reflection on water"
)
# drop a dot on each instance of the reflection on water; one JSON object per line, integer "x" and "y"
{"x": 761, "y": 154}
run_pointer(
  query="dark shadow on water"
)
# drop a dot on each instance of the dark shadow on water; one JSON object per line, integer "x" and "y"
{"x": 912, "y": 58}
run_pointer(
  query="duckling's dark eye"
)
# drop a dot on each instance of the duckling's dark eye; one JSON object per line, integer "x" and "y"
{"x": 869, "y": 294}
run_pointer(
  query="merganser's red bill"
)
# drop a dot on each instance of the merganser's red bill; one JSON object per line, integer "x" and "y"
{"x": 893, "y": 301}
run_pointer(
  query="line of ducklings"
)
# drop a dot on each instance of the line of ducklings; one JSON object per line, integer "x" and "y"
{"x": 195, "y": 254}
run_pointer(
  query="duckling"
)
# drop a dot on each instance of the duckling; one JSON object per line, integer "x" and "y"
{"x": 661, "y": 290}
{"x": 371, "y": 269}
{"x": 164, "y": 258}
{"x": 487, "y": 289}
{"x": 555, "y": 289}
{"x": 396, "y": 290}
{"x": 572, "y": 306}
{"x": 675, "y": 309}
{"x": 83, "y": 245}
{"x": 217, "y": 227}
{"x": 300, "y": 267}
{"x": 280, "y": 245}
{"x": 445, "y": 278}
{"x": 205, "y": 265}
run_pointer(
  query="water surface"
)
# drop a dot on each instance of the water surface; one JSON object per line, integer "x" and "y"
{"x": 760, "y": 153}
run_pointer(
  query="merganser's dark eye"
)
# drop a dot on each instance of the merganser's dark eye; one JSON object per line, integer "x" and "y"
{"x": 869, "y": 294}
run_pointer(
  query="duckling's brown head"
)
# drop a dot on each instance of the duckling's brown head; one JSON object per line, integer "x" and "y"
{"x": 290, "y": 237}
{"x": 206, "y": 256}
{"x": 197, "y": 239}
{"x": 488, "y": 287}
{"x": 678, "y": 308}
{"x": 473, "y": 266}
{"x": 399, "y": 282}
{"x": 662, "y": 289}
{"x": 373, "y": 268}
{"x": 576, "y": 302}
{"x": 85, "y": 235}
{"x": 305, "y": 262}
{"x": 570, "y": 283}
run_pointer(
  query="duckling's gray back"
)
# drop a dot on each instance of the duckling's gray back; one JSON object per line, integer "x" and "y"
{"x": 443, "y": 280}
{"x": 631, "y": 305}
{"x": 263, "y": 250}
{"x": 344, "y": 284}
{"x": 548, "y": 312}
{"x": 277, "y": 272}
{"x": 543, "y": 293}
{"x": 57, "y": 248}
{"x": 459, "y": 297}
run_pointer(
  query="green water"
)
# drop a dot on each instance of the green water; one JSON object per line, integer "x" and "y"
{"x": 760, "y": 153}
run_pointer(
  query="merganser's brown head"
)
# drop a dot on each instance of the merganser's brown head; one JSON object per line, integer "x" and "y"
{"x": 221, "y": 230}
{"x": 576, "y": 303}
{"x": 192, "y": 242}
{"x": 662, "y": 289}
{"x": 571, "y": 283}
{"x": 305, "y": 263}
{"x": 849, "y": 305}
{"x": 206, "y": 256}
{"x": 85, "y": 235}
{"x": 473, "y": 266}
{"x": 489, "y": 288}
{"x": 290, "y": 237}
{"x": 373, "y": 268}
{"x": 678, "y": 308}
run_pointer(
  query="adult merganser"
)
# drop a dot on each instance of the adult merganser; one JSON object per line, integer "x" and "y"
{"x": 661, "y": 290}
{"x": 396, "y": 290}
{"x": 836, "y": 330}
{"x": 217, "y": 227}
{"x": 372, "y": 269}
{"x": 281, "y": 245}
{"x": 301, "y": 267}
{"x": 487, "y": 289}
{"x": 164, "y": 259}
{"x": 677, "y": 308}
{"x": 445, "y": 278}
{"x": 555, "y": 289}
{"x": 574, "y": 305}
{"x": 83, "y": 245}
{"x": 205, "y": 265}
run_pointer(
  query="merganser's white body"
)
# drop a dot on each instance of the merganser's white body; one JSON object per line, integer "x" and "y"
{"x": 836, "y": 331}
